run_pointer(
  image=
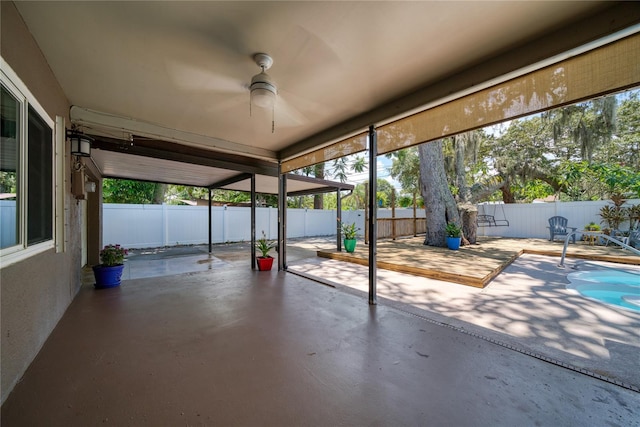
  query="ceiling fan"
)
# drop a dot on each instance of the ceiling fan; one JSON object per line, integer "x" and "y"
{"x": 264, "y": 94}
{"x": 263, "y": 90}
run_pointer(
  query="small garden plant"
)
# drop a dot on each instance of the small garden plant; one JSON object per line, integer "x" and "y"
{"x": 453, "y": 230}
{"x": 264, "y": 245}
{"x": 349, "y": 231}
{"x": 112, "y": 255}
{"x": 592, "y": 226}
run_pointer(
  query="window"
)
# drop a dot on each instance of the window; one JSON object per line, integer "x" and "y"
{"x": 39, "y": 180}
{"x": 26, "y": 171}
{"x": 9, "y": 149}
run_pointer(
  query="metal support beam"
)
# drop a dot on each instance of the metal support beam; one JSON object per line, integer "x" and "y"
{"x": 232, "y": 180}
{"x": 339, "y": 221}
{"x": 373, "y": 214}
{"x": 253, "y": 221}
{"x": 282, "y": 220}
{"x": 210, "y": 223}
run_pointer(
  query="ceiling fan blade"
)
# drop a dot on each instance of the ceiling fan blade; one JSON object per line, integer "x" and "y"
{"x": 190, "y": 77}
{"x": 306, "y": 55}
{"x": 286, "y": 115}
{"x": 235, "y": 104}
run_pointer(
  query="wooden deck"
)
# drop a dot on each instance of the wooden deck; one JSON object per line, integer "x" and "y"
{"x": 473, "y": 265}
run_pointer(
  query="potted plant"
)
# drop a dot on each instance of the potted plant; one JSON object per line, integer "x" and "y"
{"x": 265, "y": 261}
{"x": 109, "y": 273}
{"x": 454, "y": 236}
{"x": 349, "y": 236}
{"x": 592, "y": 226}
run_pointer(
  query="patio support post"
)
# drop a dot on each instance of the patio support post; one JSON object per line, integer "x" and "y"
{"x": 339, "y": 222}
{"x": 210, "y": 223}
{"x": 373, "y": 226}
{"x": 282, "y": 219}
{"x": 253, "y": 221}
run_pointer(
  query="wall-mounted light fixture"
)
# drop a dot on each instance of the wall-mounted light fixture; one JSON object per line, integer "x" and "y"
{"x": 90, "y": 186}
{"x": 80, "y": 143}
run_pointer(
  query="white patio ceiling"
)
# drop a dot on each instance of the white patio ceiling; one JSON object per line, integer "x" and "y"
{"x": 179, "y": 71}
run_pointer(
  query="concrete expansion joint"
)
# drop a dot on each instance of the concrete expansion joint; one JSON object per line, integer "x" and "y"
{"x": 527, "y": 352}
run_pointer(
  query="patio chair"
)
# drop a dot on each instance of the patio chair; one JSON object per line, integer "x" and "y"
{"x": 634, "y": 239}
{"x": 558, "y": 227}
{"x": 618, "y": 234}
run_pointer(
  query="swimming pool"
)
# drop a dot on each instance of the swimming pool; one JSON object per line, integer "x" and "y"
{"x": 610, "y": 286}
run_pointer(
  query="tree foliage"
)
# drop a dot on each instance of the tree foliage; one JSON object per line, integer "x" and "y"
{"x": 128, "y": 191}
{"x": 566, "y": 152}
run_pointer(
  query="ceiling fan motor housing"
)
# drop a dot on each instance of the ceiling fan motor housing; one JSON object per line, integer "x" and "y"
{"x": 263, "y": 89}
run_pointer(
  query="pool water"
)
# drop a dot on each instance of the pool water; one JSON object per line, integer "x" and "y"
{"x": 610, "y": 286}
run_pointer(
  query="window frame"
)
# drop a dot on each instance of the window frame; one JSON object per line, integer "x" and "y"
{"x": 25, "y": 98}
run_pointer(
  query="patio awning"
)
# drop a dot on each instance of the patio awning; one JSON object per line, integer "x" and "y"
{"x": 145, "y": 159}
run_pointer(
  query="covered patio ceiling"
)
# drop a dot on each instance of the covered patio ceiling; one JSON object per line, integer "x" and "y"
{"x": 141, "y": 74}
{"x": 161, "y": 161}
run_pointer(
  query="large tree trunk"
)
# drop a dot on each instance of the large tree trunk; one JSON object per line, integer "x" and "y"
{"x": 460, "y": 145}
{"x": 318, "y": 172}
{"x": 439, "y": 204}
{"x": 507, "y": 194}
{"x": 158, "y": 193}
{"x": 469, "y": 215}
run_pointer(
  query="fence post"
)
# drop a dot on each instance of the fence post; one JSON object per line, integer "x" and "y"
{"x": 393, "y": 213}
{"x": 415, "y": 217}
{"x": 165, "y": 225}
{"x": 224, "y": 224}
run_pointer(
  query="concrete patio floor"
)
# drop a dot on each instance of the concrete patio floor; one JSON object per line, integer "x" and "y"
{"x": 237, "y": 347}
{"x": 526, "y": 307}
{"x": 229, "y": 346}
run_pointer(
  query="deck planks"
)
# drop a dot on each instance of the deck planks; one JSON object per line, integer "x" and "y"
{"x": 473, "y": 265}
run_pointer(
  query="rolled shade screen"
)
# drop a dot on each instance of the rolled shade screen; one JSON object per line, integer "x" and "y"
{"x": 345, "y": 147}
{"x": 607, "y": 69}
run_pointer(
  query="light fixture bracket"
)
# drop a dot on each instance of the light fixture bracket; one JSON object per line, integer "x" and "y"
{"x": 263, "y": 61}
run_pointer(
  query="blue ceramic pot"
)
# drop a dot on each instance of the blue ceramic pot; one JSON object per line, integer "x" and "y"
{"x": 107, "y": 276}
{"x": 453, "y": 243}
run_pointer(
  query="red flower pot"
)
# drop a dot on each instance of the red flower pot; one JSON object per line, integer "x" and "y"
{"x": 264, "y": 263}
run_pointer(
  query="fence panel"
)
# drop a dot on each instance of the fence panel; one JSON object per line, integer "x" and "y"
{"x": 186, "y": 226}
{"x": 531, "y": 220}
{"x": 296, "y": 222}
{"x": 403, "y": 227}
{"x": 319, "y": 223}
{"x": 143, "y": 226}
{"x": 8, "y": 224}
{"x": 135, "y": 226}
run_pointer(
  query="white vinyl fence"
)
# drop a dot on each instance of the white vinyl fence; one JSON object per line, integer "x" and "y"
{"x": 8, "y": 224}
{"x": 146, "y": 226}
{"x": 531, "y": 220}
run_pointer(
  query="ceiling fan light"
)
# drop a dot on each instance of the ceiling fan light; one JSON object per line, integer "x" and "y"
{"x": 263, "y": 91}
{"x": 263, "y": 97}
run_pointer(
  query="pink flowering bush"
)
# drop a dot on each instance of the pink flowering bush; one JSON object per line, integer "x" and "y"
{"x": 112, "y": 255}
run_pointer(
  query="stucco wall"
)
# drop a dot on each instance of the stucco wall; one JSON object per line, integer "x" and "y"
{"x": 35, "y": 292}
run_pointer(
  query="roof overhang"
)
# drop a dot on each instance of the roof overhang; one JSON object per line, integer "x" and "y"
{"x": 146, "y": 159}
